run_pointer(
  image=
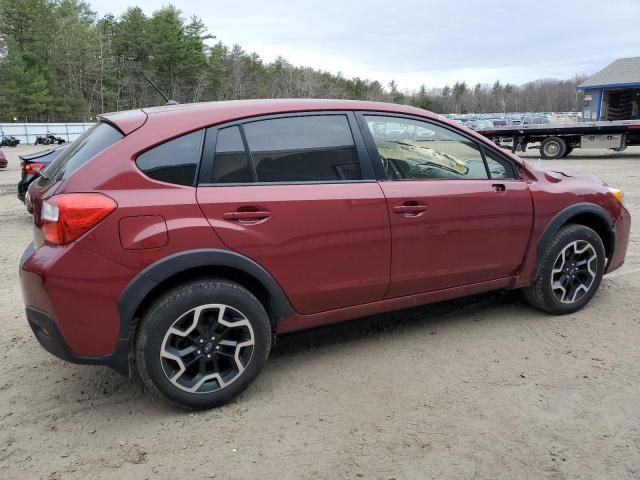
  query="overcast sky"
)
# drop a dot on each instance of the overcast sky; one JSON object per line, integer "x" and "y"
{"x": 434, "y": 42}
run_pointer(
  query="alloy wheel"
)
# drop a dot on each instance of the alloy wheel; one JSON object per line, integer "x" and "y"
{"x": 574, "y": 271}
{"x": 207, "y": 348}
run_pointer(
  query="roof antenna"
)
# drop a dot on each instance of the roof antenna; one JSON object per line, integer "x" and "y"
{"x": 169, "y": 102}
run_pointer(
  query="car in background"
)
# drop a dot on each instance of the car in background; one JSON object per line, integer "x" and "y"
{"x": 181, "y": 240}
{"x": 3, "y": 160}
{"x": 480, "y": 124}
{"x": 32, "y": 167}
{"x": 535, "y": 120}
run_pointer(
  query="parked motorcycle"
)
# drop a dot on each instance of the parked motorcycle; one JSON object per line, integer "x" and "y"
{"x": 9, "y": 141}
{"x": 49, "y": 139}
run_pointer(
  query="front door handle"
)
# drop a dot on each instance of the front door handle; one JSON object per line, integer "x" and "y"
{"x": 410, "y": 209}
{"x": 247, "y": 216}
{"x": 498, "y": 187}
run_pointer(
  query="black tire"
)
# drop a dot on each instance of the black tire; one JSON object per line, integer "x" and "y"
{"x": 541, "y": 294}
{"x": 553, "y": 148}
{"x": 167, "y": 311}
{"x": 568, "y": 151}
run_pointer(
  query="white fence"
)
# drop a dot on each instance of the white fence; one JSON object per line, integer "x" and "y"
{"x": 27, "y": 132}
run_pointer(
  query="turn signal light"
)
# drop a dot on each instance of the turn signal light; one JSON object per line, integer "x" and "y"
{"x": 617, "y": 193}
{"x": 65, "y": 217}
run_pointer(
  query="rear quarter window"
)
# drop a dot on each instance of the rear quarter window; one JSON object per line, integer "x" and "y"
{"x": 96, "y": 139}
{"x": 175, "y": 161}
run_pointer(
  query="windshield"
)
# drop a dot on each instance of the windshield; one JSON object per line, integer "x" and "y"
{"x": 88, "y": 145}
{"x": 418, "y": 155}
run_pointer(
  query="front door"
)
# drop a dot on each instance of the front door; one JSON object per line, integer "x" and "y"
{"x": 459, "y": 214}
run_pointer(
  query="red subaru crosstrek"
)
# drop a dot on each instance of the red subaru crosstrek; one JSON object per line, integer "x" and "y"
{"x": 182, "y": 239}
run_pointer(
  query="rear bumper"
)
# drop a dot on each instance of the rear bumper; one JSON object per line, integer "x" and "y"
{"x": 47, "y": 333}
{"x": 622, "y": 228}
{"x": 70, "y": 296}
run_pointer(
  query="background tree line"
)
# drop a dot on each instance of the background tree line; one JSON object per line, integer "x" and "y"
{"x": 60, "y": 62}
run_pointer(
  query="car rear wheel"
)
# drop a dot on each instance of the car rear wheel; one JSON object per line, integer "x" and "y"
{"x": 570, "y": 272}
{"x": 553, "y": 148}
{"x": 203, "y": 343}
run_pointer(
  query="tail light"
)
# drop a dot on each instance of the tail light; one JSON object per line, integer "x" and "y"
{"x": 32, "y": 168}
{"x": 63, "y": 218}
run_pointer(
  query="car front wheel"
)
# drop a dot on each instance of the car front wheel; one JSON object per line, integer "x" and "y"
{"x": 570, "y": 272}
{"x": 203, "y": 343}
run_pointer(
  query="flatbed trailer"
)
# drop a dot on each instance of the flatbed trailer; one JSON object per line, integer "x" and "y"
{"x": 559, "y": 140}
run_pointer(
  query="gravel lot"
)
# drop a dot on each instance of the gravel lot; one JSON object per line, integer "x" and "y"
{"x": 481, "y": 388}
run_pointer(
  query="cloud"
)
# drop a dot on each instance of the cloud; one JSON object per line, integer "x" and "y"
{"x": 435, "y": 42}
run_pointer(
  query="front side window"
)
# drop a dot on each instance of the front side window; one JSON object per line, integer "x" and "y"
{"x": 498, "y": 166}
{"x": 411, "y": 149}
{"x": 315, "y": 148}
{"x": 175, "y": 161}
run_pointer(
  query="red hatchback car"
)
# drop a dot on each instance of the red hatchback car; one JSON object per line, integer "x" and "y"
{"x": 182, "y": 239}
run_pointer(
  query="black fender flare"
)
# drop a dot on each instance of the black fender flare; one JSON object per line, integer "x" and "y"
{"x": 141, "y": 286}
{"x": 563, "y": 216}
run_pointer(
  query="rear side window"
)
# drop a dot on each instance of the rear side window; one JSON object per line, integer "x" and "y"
{"x": 312, "y": 148}
{"x": 96, "y": 139}
{"x": 175, "y": 161}
{"x": 231, "y": 163}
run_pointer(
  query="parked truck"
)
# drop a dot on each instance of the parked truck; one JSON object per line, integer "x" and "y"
{"x": 559, "y": 140}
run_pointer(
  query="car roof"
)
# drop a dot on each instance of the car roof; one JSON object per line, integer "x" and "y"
{"x": 198, "y": 115}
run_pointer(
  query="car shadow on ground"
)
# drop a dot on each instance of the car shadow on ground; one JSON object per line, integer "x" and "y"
{"x": 389, "y": 323}
{"x": 88, "y": 389}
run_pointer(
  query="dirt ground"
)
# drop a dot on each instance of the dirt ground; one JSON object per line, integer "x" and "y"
{"x": 485, "y": 388}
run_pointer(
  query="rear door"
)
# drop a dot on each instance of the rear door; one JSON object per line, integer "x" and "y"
{"x": 296, "y": 194}
{"x": 459, "y": 213}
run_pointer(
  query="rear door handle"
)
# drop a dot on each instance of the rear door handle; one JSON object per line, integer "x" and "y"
{"x": 498, "y": 187}
{"x": 410, "y": 208}
{"x": 247, "y": 215}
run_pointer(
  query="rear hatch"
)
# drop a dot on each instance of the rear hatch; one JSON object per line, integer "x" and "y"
{"x": 96, "y": 139}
